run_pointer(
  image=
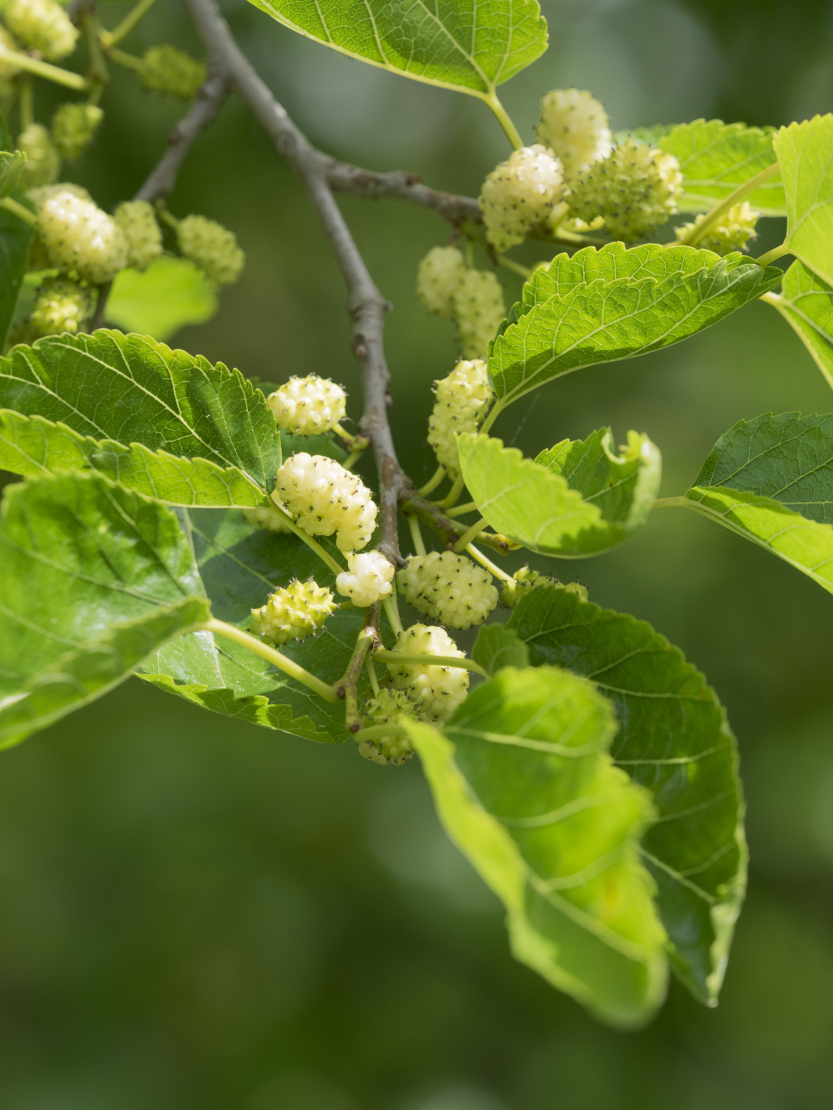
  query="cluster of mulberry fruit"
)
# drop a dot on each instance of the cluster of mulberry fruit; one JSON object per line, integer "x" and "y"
{"x": 42, "y": 25}
{"x": 462, "y": 401}
{"x": 472, "y": 298}
{"x": 732, "y": 233}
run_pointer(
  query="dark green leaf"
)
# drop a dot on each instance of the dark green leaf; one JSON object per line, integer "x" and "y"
{"x": 169, "y": 295}
{"x": 675, "y": 741}
{"x": 94, "y": 579}
{"x": 497, "y": 647}
{"x": 15, "y": 238}
{"x": 806, "y": 302}
{"x": 524, "y": 785}
{"x": 472, "y": 46}
{"x": 805, "y": 151}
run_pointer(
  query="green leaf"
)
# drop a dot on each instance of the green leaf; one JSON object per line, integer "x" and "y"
{"x": 169, "y": 295}
{"x": 771, "y": 481}
{"x": 11, "y": 168}
{"x": 716, "y": 157}
{"x": 95, "y": 578}
{"x": 806, "y": 303}
{"x": 497, "y": 647}
{"x": 525, "y": 787}
{"x": 576, "y": 500}
{"x": 605, "y": 321}
{"x": 132, "y": 390}
{"x": 15, "y": 237}
{"x": 469, "y": 46}
{"x": 675, "y": 741}
{"x": 240, "y": 566}
{"x": 805, "y": 151}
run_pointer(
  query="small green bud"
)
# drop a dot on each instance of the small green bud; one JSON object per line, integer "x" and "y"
{"x": 74, "y": 127}
{"x": 61, "y": 306}
{"x": 43, "y": 162}
{"x": 733, "y": 232}
{"x": 212, "y": 247}
{"x": 293, "y": 613}
{"x": 438, "y": 276}
{"x": 526, "y": 578}
{"x": 42, "y": 25}
{"x": 137, "y": 220}
{"x": 479, "y": 310}
{"x": 172, "y": 72}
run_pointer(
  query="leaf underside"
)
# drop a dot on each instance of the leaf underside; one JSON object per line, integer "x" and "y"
{"x": 805, "y": 151}
{"x": 169, "y": 295}
{"x": 806, "y": 303}
{"x": 673, "y": 740}
{"x": 525, "y": 787}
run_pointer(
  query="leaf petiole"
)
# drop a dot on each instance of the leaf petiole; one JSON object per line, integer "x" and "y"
{"x": 699, "y": 231}
{"x": 503, "y": 119}
{"x": 123, "y": 29}
{"x": 488, "y": 564}
{"x": 472, "y": 534}
{"x": 432, "y": 482}
{"x": 19, "y": 210}
{"x": 416, "y": 534}
{"x": 384, "y": 656}
{"x": 773, "y": 255}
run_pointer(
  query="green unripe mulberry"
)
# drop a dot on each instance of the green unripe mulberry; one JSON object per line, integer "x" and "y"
{"x": 61, "y": 306}
{"x": 43, "y": 162}
{"x": 449, "y": 588}
{"x": 42, "y": 25}
{"x": 733, "y": 232}
{"x": 526, "y": 578}
{"x": 172, "y": 72}
{"x": 293, "y": 612}
{"x": 385, "y": 708}
{"x": 438, "y": 276}
{"x": 479, "y": 310}
{"x": 74, "y": 127}
{"x": 462, "y": 401}
{"x": 212, "y": 247}
{"x": 636, "y": 189}
{"x": 137, "y": 220}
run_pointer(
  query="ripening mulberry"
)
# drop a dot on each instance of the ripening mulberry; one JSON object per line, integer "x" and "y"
{"x": 574, "y": 125}
{"x": 293, "y": 612}
{"x": 43, "y": 162}
{"x": 172, "y": 72}
{"x": 518, "y": 194}
{"x": 308, "y": 406}
{"x": 7, "y": 69}
{"x": 479, "y": 310}
{"x": 137, "y": 220}
{"x": 74, "y": 127}
{"x": 42, "y": 25}
{"x": 733, "y": 232}
{"x": 40, "y": 194}
{"x": 435, "y": 691}
{"x": 322, "y": 497}
{"x": 61, "y": 306}
{"x": 212, "y": 247}
{"x": 80, "y": 238}
{"x": 636, "y": 189}
{"x": 524, "y": 580}
{"x": 448, "y": 587}
{"x": 438, "y": 276}
{"x": 462, "y": 401}
{"x": 385, "y": 708}
{"x": 369, "y": 578}
{"x": 265, "y": 518}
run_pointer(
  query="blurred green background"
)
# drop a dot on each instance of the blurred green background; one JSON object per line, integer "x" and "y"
{"x": 199, "y": 915}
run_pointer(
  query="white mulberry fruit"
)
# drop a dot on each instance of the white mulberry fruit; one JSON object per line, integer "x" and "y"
{"x": 636, "y": 189}
{"x": 438, "y": 276}
{"x": 462, "y": 400}
{"x": 293, "y": 612}
{"x": 172, "y": 72}
{"x": 80, "y": 238}
{"x": 322, "y": 497}
{"x": 369, "y": 578}
{"x": 435, "y": 691}
{"x": 40, "y": 194}
{"x": 448, "y": 587}
{"x": 518, "y": 194}
{"x": 42, "y": 25}
{"x": 308, "y": 406}
{"x": 43, "y": 162}
{"x": 733, "y": 232}
{"x": 74, "y": 127}
{"x": 479, "y": 310}
{"x": 264, "y": 518}
{"x": 575, "y": 127}
{"x": 61, "y": 305}
{"x": 212, "y": 247}
{"x": 137, "y": 220}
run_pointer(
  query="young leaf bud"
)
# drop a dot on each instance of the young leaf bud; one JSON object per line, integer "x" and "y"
{"x": 80, "y": 238}
{"x": 322, "y": 497}
{"x": 733, "y": 232}
{"x": 74, "y": 127}
{"x": 438, "y": 276}
{"x": 212, "y": 247}
{"x": 518, "y": 194}
{"x": 636, "y": 189}
{"x": 263, "y": 518}
{"x": 42, "y": 25}
{"x": 479, "y": 310}
{"x": 137, "y": 220}
{"x": 61, "y": 306}
{"x": 526, "y": 578}
{"x": 448, "y": 587}
{"x": 172, "y": 72}
{"x": 435, "y": 691}
{"x": 293, "y": 612}
{"x": 462, "y": 401}
{"x": 369, "y": 578}
{"x": 43, "y": 162}
{"x": 308, "y": 406}
{"x": 574, "y": 126}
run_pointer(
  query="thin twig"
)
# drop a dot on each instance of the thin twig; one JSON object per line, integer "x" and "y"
{"x": 345, "y": 178}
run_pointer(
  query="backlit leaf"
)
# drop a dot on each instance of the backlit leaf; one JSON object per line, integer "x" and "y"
{"x": 497, "y": 647}
{"x": 806, "y": 302}
{"x": 169, "y": 295}
{"x": 805, "y": 151}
